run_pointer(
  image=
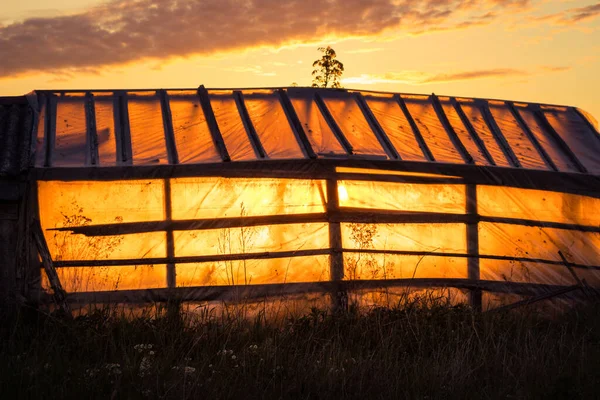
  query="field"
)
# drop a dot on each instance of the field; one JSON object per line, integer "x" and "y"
{"x": 419, "y": 349}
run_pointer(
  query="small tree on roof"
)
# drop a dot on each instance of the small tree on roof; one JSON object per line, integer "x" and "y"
{"x": 327, "y": 70}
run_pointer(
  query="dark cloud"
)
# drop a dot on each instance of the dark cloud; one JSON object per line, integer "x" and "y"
{"x": 573, "y": 16}
{"x": 124, "y": 31}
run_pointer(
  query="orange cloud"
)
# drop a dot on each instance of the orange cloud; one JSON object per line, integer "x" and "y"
{"x": 125, "y": 31}
{"x": 424, "y": 78}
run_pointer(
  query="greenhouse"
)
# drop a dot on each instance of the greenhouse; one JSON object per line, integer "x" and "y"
{"x": 116, "y": 196}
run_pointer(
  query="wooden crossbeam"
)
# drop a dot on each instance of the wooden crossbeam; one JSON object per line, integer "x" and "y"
{"x": 254, "y": 292}
{"x": 59, "y": 294}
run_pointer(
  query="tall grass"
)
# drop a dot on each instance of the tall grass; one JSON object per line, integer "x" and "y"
{"x": 416, "y": 350}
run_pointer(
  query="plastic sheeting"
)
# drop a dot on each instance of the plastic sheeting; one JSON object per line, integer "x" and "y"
{"x": 271, "y": 125}
{"x": 475, "y": 117}
{"x": 254, "y": 272}
{"x": 446, "y": 198}
{"x": 538, "y": 205}
{"x": 231, "y": 197}
{"x": 577, "y": 135}
{"x": 253, "y": 120}
{"x": 550, "y": 146}
{"x": 231, "y": 126}
{"x": 528, "y": 254}
{"x": 193, "y": 140}
{"x": 105, "y": 129}
{"x": 524, "y": 150}
{"x": 350, "y": 119}
{"x": 147, "y": 132}
{"x": 462, "y": 133}
{"x": 70, "y": 148}
{"x": 318, "y": 131}
{"x": 431, "y": 129}
{"x": 388, "y": 113}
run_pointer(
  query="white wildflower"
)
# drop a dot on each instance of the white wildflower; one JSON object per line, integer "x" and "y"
{"x": 113, "y": 369}
{"x": 145, "y": 366}
{"x": 234, "y": 357}
{"x": 189, "y": 370}
{"x": 141, "y": 347}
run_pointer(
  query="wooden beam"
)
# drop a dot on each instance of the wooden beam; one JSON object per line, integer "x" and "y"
{"x": 336, "y": 262}
{"x": 171, "y": 272}
{"x": 472, "y": 132}
{"x": 215, "y": 132}
{"x": 565, "y": 182}
{"x": 473, "y": 272}
{"x": 332, "y": 124}
{"x": 497, "y": 133}
{"x": 295, "y": 123}
{"x": 92, "y": 136}
{"x": 300, "y": 253}
{"x": 460, "y": 147}
{"x": 382, "y": 137}
{"x": 193, "y": 224}
{"x": 248, "y": 125}
{"x": 543, "y": 121}
{"x": 191, "y": 259}
{"x": 416, "y": 131}
{"x": 167, "y": 117}
{"x": 255, "y": 292}
{"x": 122, "y": 129}
{"x": 343, "y": 215}
{"x": 525, "y": 128}
{"x": 462, "y": 255}
{"x": 544, "y": 296}
{"x": 49, "y": 128}
{"x": 59, "y": 294}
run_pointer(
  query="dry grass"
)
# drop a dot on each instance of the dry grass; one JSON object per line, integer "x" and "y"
{"x": 417, "y": 350}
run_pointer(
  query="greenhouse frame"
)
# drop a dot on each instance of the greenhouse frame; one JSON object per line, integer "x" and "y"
{"x": 141, "y": 196}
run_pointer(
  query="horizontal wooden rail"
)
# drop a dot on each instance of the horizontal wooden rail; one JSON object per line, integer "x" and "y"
{"x": 191, "y": 259}
{"x": 255, "y": 292}
{"x": 566, "y": 182}
{"x": 344, "y": 214}
{"x": 299, "y": 253}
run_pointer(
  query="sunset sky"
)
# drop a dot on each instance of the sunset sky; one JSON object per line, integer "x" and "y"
{"x": 529, "y": 50}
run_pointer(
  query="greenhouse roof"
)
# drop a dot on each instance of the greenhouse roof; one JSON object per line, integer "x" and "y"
{"x": 196, "y": 126}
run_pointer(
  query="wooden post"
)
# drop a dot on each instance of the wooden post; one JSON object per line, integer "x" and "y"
{"x": 475, "y": 296}
{"x": 92, "y": 135}
{"x": 59, "y": 293}
{"x": 336, "y": 262}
